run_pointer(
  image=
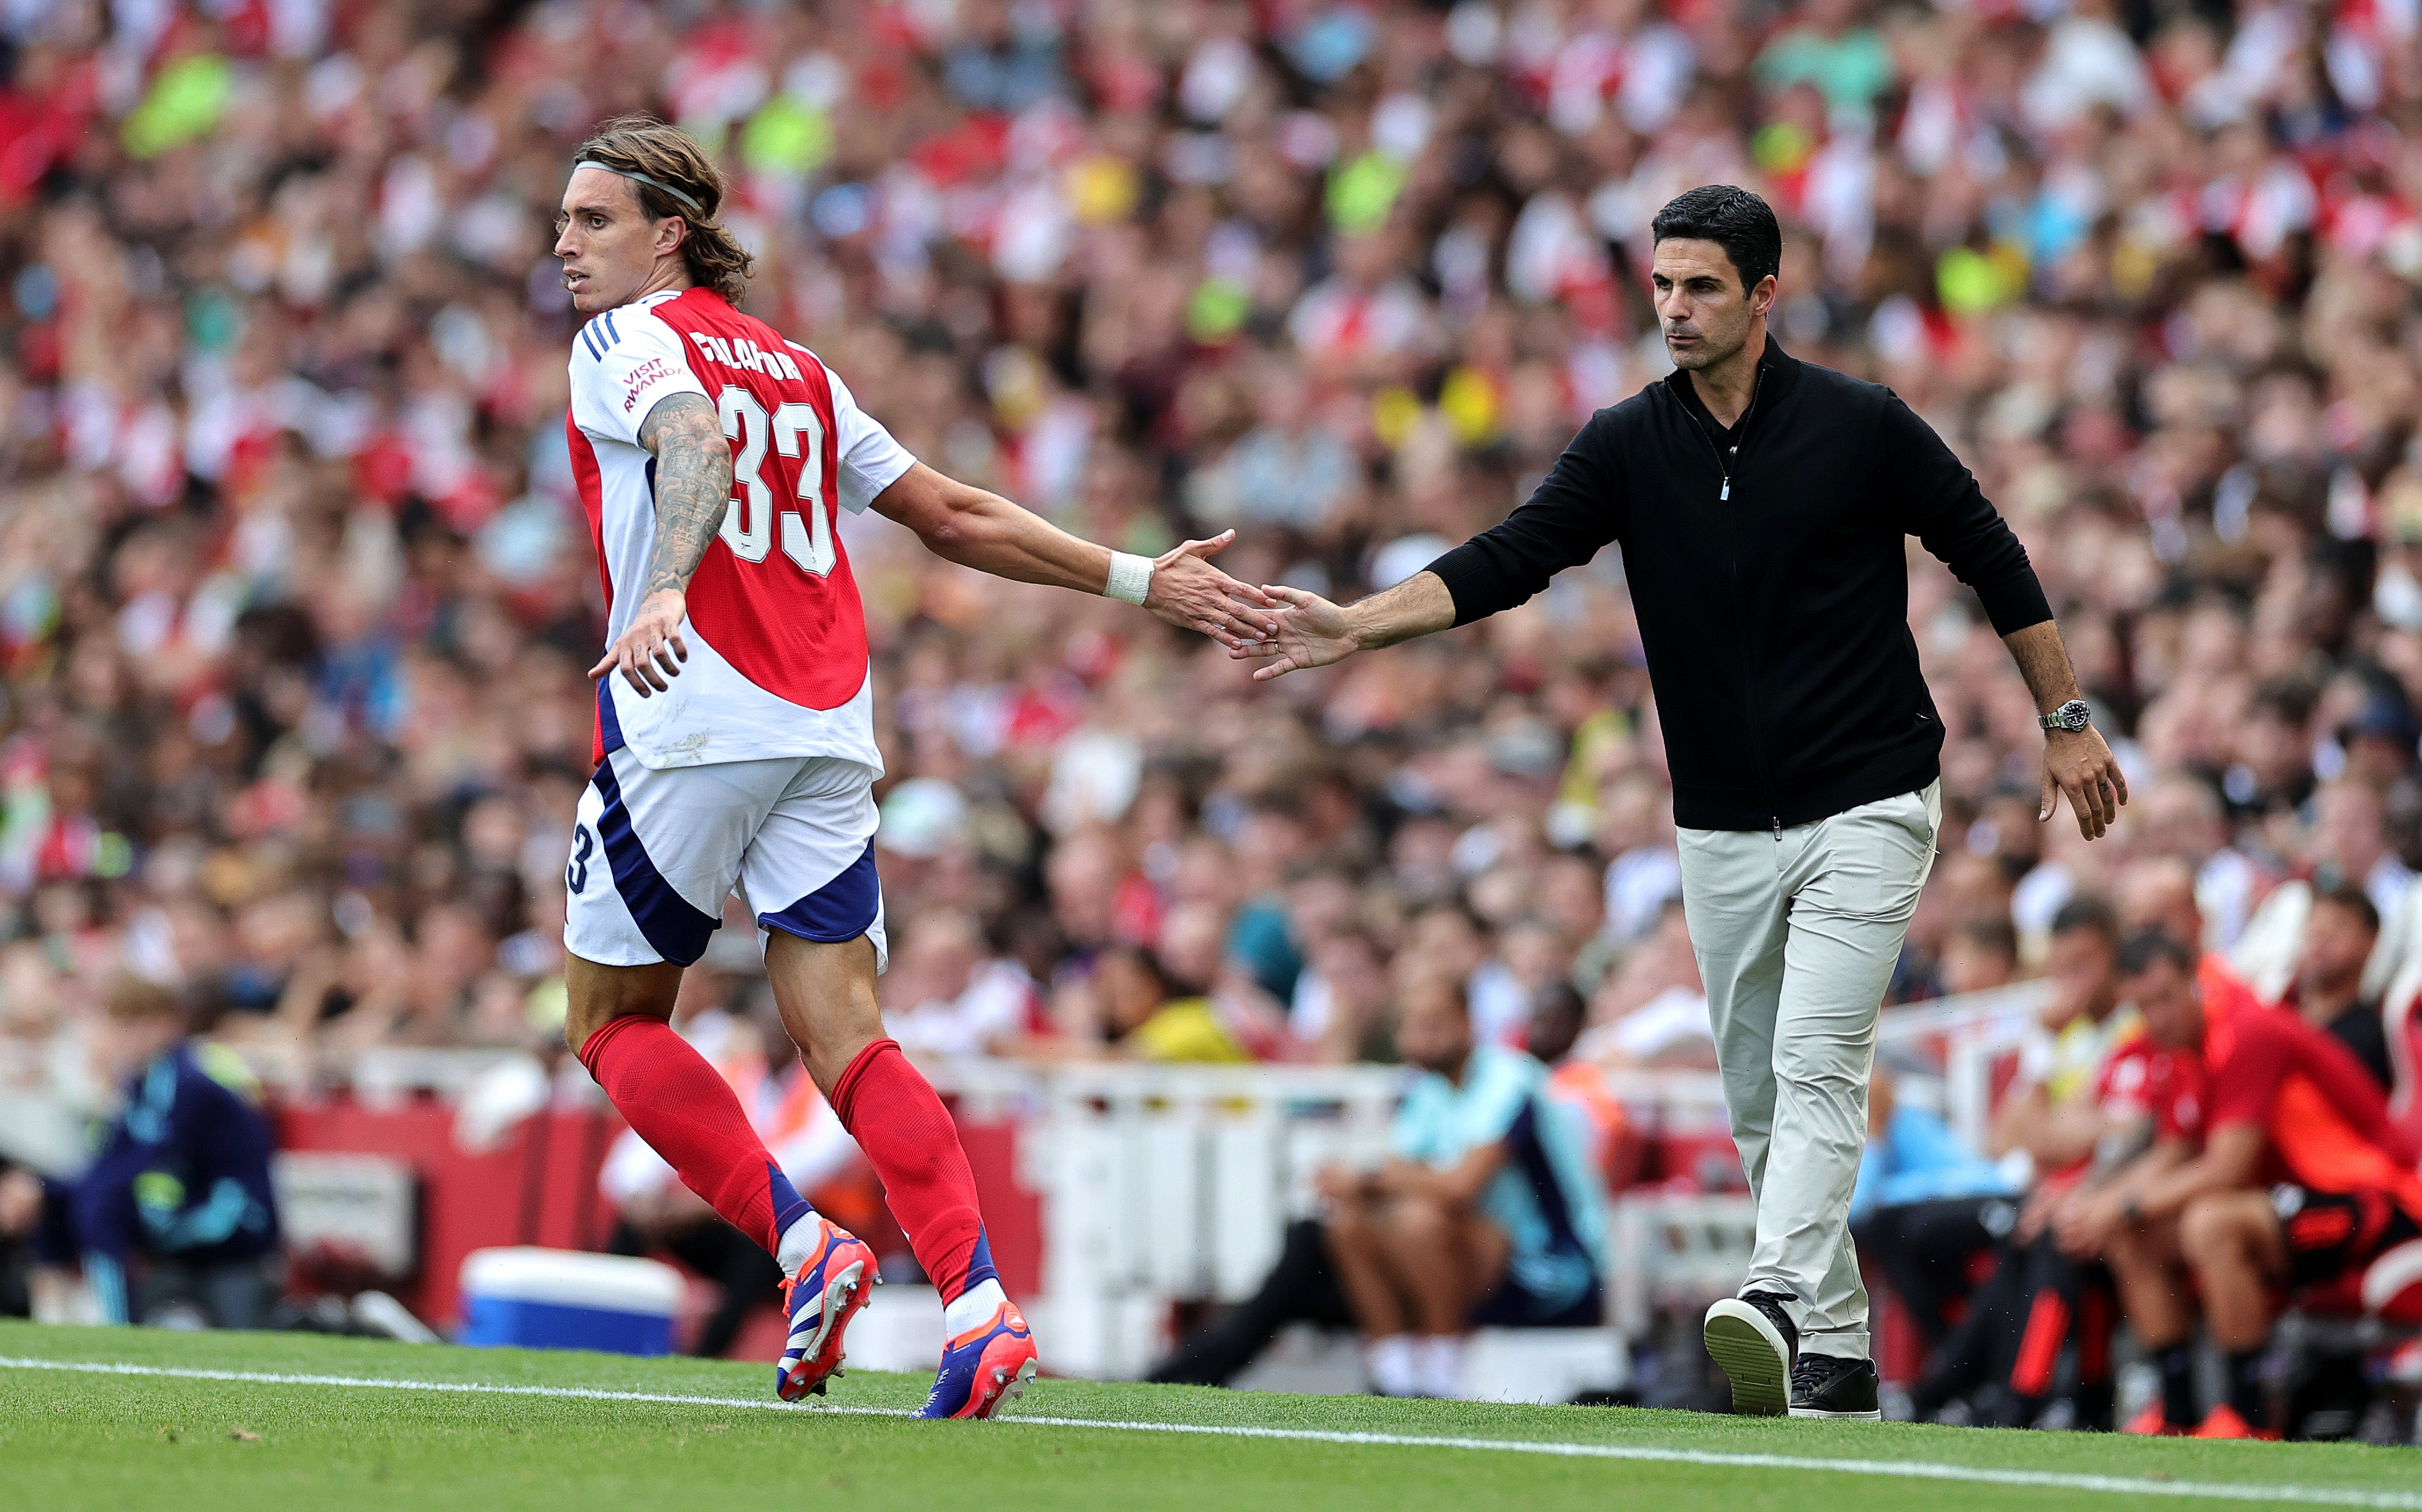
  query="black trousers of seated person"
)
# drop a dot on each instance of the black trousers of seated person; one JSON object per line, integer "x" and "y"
{"x": 16, "y": 1288}
{"x": 1300, "y": 1288}
{"x": 1925, "y": 1250}
{"x": 2037, "y": 1303}
{"x": 2070, "y": 1309}
{"x": 223, "y": 1294}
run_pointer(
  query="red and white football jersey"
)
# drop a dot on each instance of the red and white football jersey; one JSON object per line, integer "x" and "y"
{"x": 2143, "y": 1080}
{"x": 777, "y": 662}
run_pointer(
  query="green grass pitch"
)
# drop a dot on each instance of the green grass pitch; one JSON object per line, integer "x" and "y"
{"x": 176, "y": 1439}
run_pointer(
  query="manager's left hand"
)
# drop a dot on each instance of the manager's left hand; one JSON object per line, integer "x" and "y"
{"x": 2079, "y": 763}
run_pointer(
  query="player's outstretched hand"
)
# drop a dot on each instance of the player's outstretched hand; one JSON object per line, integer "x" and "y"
{"x": 2079, "y": 763}
{"x": 651, "y": 649}
{"x": 1312, "y": 632}
{"x": 1187, "y": 591}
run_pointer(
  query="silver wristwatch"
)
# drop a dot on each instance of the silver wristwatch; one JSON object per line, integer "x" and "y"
{"x": 2072, "y": 716}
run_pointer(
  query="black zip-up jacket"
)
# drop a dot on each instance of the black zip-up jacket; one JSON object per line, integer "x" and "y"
{"x": 1770, "y": 581}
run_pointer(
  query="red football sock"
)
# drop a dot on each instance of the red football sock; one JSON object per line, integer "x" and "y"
{"x": 687, "y": 1113}
{"x": 909, "y": 1139}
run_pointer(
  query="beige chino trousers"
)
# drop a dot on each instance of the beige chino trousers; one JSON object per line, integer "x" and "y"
{"x": 1797, "y": 935}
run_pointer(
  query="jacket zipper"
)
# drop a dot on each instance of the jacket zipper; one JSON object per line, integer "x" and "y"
{"x": 1723, "y": 495}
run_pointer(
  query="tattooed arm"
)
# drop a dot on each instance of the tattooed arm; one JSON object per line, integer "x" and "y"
{"x": 693, "y": 490}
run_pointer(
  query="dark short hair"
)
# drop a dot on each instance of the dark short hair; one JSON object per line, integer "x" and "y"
{"x": 129, "y": 999}
{"x": 2350, "y": 896}
{"x": 1556, "y": 1020}
{"x": 1733, "y": 218}
{"x": 2139, "y": 951}
{"x": 2088, "y": 911}
{"x": 2288, "y": 698}
{"x": 1149, "y": 963}
{"x": 1448, "y": 987}
{"x": 1457, "y": 906}
{"x": 1993, "y": 933}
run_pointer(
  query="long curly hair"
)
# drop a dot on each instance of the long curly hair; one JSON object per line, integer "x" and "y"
{"x": 668, "y": 154}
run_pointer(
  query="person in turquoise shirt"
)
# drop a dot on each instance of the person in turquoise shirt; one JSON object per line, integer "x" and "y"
{"x": 1915, "y": 1157}
{"x": 1848, "y": 64}
{"x": 1485, "y": 1214}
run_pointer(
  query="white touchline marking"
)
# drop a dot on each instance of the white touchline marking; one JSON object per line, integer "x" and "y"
{"x": 578, "y": 1394}
{"x": 1910, "y": 1470}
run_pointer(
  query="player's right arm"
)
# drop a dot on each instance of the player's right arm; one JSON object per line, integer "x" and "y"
{"x": 962, "y": 523}
{"x": 693, "y": 491}
{"x": 978, "y": 528}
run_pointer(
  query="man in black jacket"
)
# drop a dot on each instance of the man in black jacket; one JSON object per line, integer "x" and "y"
{"x": 1761, "y": 504}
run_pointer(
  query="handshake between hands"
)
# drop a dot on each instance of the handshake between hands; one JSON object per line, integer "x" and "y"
{"x": 1285, "y": 628}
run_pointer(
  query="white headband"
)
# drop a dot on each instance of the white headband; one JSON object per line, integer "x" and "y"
{"x": 641, "y": 177}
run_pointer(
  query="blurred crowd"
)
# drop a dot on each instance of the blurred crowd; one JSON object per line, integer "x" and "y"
{"x": 295, "y": 602}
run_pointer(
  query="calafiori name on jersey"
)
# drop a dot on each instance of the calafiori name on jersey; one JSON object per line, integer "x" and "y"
{"x": 742, "y": 353}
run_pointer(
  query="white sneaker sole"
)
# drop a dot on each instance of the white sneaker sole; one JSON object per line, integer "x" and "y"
{"x": 1874, "y": 1415}
{"x": 1749, "y": 1349}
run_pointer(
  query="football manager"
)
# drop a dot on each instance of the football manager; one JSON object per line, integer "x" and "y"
{"x": 1760, "y": 502}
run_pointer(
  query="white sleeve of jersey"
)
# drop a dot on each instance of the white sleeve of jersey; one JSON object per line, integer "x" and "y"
{"x": 871, "y": 460}
{"x": 623, "y": 362}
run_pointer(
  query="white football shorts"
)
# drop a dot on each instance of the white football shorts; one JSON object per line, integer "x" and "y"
{"x": 655, "y": 852}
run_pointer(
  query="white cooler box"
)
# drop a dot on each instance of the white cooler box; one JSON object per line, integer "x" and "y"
{"x": 535, "y": 1299}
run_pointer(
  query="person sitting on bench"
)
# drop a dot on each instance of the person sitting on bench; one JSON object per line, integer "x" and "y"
{"x": 1486, "y": 1215}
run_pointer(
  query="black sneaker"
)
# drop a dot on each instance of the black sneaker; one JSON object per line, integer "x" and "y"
{"x": 1754, "y": 1342}
{"x": 1825, "y": 1387}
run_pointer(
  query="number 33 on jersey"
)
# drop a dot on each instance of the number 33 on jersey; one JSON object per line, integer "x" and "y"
{"x": 776, "y": 637}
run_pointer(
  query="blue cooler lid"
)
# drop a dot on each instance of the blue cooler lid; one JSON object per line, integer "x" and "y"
{"x": 572, "y": 1278}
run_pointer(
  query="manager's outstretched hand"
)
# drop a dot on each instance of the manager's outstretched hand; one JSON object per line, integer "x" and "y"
{"x": 1311, "y": 632}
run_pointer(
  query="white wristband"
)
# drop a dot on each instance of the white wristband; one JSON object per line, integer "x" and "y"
{"x": 1130, "y": 577}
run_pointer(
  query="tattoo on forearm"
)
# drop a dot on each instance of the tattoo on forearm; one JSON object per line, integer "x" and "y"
{"x": 693, "y": 487}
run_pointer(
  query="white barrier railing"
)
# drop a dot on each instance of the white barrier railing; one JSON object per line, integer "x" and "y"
{"x": 1168, "y": 1183}
{"x": 1674, "y": 1252}
{"x": 1964, "y": 1037}
{"x": 1161, "y": 1183}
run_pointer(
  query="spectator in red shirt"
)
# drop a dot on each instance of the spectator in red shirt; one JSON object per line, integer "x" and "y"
{"x": 2158, "y": 894}
{"x": 2303, "y": 1178}
{"x": 2149, "y": 1111}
